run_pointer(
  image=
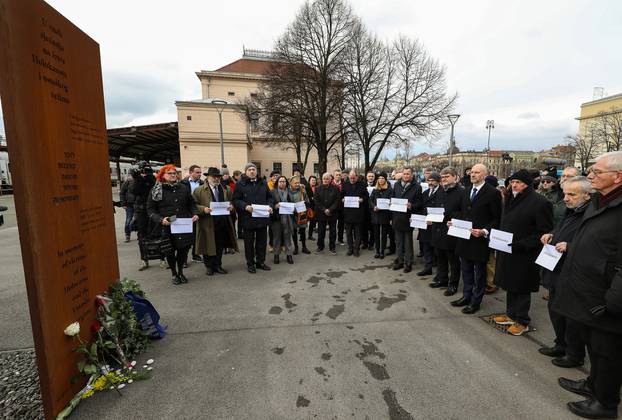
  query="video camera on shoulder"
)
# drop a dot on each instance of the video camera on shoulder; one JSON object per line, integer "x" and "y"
{"x": 143, "y": 168}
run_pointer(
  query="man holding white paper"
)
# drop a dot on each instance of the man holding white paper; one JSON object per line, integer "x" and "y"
{"x": 215, "y": 230}
{"x": 424, "y": 236}
{"x": 568, "y": 349}
{"x": 248, "y": 191}
{"x": 527, "y": 216}
{"x": 408, "y": 189}
{"x": 481, "y": 205}
{"x": 354, "y": 196}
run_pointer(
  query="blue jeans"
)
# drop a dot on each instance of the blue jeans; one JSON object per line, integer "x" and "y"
{"x": 474, "y": 279}
{"x": 129, "y": 214}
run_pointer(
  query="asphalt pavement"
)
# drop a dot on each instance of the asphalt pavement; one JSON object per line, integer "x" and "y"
{"x": 329, "y": 337}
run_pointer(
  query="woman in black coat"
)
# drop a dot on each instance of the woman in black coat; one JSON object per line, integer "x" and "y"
{"x": 167, "y": 198}
{"x": 380, "y": 219}
{"x": 448, "y": 263}
{"x": 528, "y": 216}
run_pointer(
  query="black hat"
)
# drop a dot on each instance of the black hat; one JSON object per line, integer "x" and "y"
{"x": 492, "y": 180}
{"x": 211, "y": 171}
{"x": 435, "y": 176}
{"x": 522, "y": 175}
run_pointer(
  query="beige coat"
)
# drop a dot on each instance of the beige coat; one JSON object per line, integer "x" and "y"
{"x": 205, "y": 239}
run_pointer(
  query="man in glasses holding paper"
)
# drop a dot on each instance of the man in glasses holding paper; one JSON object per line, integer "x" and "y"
{"x": 406, "y": 189}
{"x": 526, "y": 217}
{"x": 481, "y": 205}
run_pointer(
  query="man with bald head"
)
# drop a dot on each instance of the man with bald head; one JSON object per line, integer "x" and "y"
{"x": 481, "y": 204}
{"x": 567, "y": 173}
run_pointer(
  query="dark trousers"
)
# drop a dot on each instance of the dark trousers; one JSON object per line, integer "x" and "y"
{"x": 474, "y": 279}
{"x": 405, "y": 247}
{"x": 367, "y": 233}
{"x": 380, "y": 237}
{"x": 447, "y": 268}
{"x": 605, "y": 351}
{"x": 353, "y": 236}
{"x": 129, "y": 213}
{"x": 567, "y": 332}
{"x": 340, "y": 225}
{"x": 301, "y": 232}
{"x": 215, "y": 261}
{"x": 392, "y": 240}
{"x": 255, "y": 241}
{"x": 321, "y": 233}
{"x": 312, "y": 224}
{"x": 518, "y": 305}
{"x": 142, "y": 232}
{"x": 177, "y": 259}
{"x": 428, "y": 254}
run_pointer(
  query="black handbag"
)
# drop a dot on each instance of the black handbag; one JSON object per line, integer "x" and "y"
{"x": 158, "y": 246}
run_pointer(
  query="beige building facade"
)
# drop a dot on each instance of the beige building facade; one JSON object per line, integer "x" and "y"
{"x": 223, "y": 93}
{"x": 602, "y": 118}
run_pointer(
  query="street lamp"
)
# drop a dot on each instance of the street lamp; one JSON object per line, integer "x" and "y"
{"x": 452, "y": 119}
{"x": 219, "y": 109}
{"x": 490, "y": 125}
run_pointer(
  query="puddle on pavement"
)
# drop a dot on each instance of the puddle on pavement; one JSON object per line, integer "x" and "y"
{"x": 335, "y": 311}
{"x": 396, "y": 411}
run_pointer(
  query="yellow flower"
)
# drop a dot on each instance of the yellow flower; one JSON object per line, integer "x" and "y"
{"x": 88, "y": 394}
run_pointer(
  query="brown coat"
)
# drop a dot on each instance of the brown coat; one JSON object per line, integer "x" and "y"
{"x": 205, "y": 239}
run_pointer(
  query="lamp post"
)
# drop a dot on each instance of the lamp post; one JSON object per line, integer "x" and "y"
{"x": 490, "y": 125}
{"x": 219, "y": 109}
{"x": 452, "y": 119}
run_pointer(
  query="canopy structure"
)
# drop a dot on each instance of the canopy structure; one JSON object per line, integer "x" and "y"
{"x": 155, "y": 142}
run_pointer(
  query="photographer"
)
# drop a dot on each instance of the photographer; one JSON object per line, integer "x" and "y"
{"x": 143, "y": 181}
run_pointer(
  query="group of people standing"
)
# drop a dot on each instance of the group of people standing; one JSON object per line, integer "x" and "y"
{"x": 580, "y": 216}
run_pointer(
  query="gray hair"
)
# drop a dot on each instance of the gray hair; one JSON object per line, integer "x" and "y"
{"x": 573, "y": 168}
{"x": 614, "y": 160}
{"x": 449, "y": 171}
{"x": 584, "y": 183}
{"x": 327, "y": 173}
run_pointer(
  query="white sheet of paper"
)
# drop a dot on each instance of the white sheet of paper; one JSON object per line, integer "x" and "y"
{"x": 383, "y": 203}
{"x": 549, "y": 257}
{"x": 370, "y": 190}
{"x": 300, "y": 206}
{"x": 182, "y": 225}
{"x": 500, "y": 240}
{"x": 220, "y": 208}
{"x": 399, "y": 205}
{"x": 460, "y": 228}
{"x": 435, "y": 214}
{"x": 260, "y": 210}
{"x": 418, "y": 221}
{"x": 351, "y": 202}
{"x": 424, "y": 187}
{"x": 287, "y": 208}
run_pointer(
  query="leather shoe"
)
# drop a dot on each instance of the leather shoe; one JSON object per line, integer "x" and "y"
{"x": 566, "y": 362}
{"x": 437, "y": 284}
{"x": 398, "y": 266}
{"x": 350, "y": 252}
{"x": 592, "y": 409}
{"x": 555, "y": 351}
{"x": 263, "y": 266}
{"x": 424, "y": 273}
{"x": 209, "y": 271}
{"x": 578, "y": 387}
{"x": 183, "y": 278}
{"x": 290, "y": 259}
{"x": 407, "y": 268}
{"x": 450, "y": 291}
{"x": 175, "y": 280}
{"x": 220, "y": 270}
{"x": 470, "y": 309}
{"x": 251, "y": 269}
{"x": 463, "y": 301}
{"x": 276, "y": 259}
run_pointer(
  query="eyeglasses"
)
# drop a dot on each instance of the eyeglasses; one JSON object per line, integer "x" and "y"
{"x": 597, "y": 172}
{"x": 170, "y": 173}
{"x": 547, "y": 182}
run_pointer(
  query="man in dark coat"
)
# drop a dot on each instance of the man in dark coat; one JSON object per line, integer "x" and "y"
{"x": 481, "y": 204}
{"x": 127, "y": 201}
{"x": 326, "y": 201}
{"x": 528, "y": 216}
{"x": 448, "y": 263}
{"x": 590, "y": 291}
{"x": 424, "y": 236}
{"x": 248, "y": 191}
{"x": 338, "y": 182}
{"x": 569, "y": 350}
{"x": 354, "y": 217}
{"x": 143, "y": 182}
{"x": 406, "y": 188}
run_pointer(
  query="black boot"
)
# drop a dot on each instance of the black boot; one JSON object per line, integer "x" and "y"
{"x": 303, "y": 240}
{"x": 290, "y": 259}
{"x": 276, "y": 259}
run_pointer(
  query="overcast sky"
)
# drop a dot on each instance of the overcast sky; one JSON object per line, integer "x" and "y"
{"x": 526, "y": 64}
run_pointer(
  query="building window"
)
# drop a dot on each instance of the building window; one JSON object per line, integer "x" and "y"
{"x": 277, "y": 167}
{"x": 316, "y": 168}
{"x": 231, "y": 93}
{"x": 255, "y": 121}
{"x": 253, "y": 95}
{"x": 188, "y": 117}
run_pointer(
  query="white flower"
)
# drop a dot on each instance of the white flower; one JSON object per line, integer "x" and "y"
{"x": 72, "y": 329}
{"x": 133, "y": 363}
{"x": 130, "y": 381}
{"x": 149, "y": 368}
{"x": 145, "y": 366}
{"x": 121, "y": 386}
{"x": 150, "y": 361}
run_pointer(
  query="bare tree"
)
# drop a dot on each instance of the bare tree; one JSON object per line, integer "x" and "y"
{"x": 585, "y": 146}
{"x": 608, "y": 128}
{"x": 309, "y": 58}
{"x": 394, "y": 92}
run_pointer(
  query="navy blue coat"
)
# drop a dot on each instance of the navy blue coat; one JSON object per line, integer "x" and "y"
{"x": 249, "y": 192}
